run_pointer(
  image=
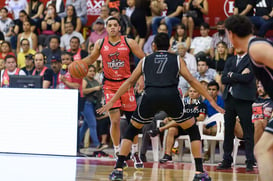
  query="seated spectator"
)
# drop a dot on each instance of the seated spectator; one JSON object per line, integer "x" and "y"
{"x": 180, "y": 36}
{"x": 104, "y": 13}
{"x": 65, "y": 38}
{"x": 192, "y": 105}
{"x": 6, "y": 24}
{"x": 195, "y": 9}
{"x": 157, "y": 8}
{"x": 42, "y": 70}
{"x": 221, "y": 35}
{"x": 262, "y": 110}
{"x": 93, "y": 93}
{"x": 29, "y": 64}
{"x": 71, "y": 16}
{"x": 245, "y": 7}
{"x": 98, "y": 33}
{"x": 29, "y": 35}
{"x": 26, "y": 50}
{"x": 5, "y": 50}
{"x": 55, "y": 65}
{"x": 15, "y": 6}
{"x": 50, "y": 26}
{"x": 59, "y": 4}
{"x": 148, "y": 48}
{"x": 80, "y": 7}
{"x": 201, "y": 43}
{"x": 10, "y": 69}
{"x": 35, "y": 10}
{"x": 221, "y": 55}
{"x": 75, "y": 49}
{"x": 174, "y": 16}
{"x": 53, "y": 49}
{"x": 2, "y": 64}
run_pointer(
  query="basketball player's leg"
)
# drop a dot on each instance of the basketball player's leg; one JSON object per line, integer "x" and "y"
{"x": 114, "y": 115}
{"x": 264, "y": 153}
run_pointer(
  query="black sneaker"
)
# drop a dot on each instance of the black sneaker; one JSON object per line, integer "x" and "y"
{"x": 166, "y": 158}
{"x": 153, "y": 132}
{"x": 201, "y": 177}
{"x": 116, "y": 175}
{"x": 249, "y": 166}
{"x": 224, "y": 165}
{"x": 124, "y": 165}
{"x": 138, "y": 164}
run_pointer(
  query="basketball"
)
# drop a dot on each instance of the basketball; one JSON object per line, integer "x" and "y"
{"x": 78, "y": 69}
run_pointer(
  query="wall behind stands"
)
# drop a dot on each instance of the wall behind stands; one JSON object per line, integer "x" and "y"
{"x": 218, "y": 9}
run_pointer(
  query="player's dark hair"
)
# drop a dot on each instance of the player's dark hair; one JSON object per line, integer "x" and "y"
{"x": 112, "y": 18}
{"x": 239, "y": 25}
{"x": 162, "y": 41}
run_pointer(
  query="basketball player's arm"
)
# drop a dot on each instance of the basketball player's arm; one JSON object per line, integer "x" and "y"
{"x": 262, "y": 53}
{"x": 94, "y": 54}
{"x": 197, "y": 85}
{"x": 130, "y": 82}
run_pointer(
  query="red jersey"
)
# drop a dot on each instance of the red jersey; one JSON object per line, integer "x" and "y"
{"x": 115, "y": 59}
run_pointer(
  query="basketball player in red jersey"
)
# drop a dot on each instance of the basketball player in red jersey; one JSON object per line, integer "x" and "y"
{"x": 115, "y": 51}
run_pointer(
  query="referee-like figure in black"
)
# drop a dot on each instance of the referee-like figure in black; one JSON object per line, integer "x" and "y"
{"x": 161, "y": 75}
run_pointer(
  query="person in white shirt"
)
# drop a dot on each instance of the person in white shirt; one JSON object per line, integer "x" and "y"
{"x": 15, "y": 6}
{"x": 201, "y": 43}
{"x": 6, "y": 24}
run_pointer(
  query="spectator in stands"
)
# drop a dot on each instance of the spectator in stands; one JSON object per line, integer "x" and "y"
{"x": 262, "y": 110}
{"x": 26, "y": 50}
{"x": 180, "y": 36}
{"x": 2, "y": 64}
{"x": 59, "y": 4}
{"x": 190, "y": 61}
{"x": 75, "y": 49}
{"x": 158, "y": 8}
{"x": 55, "y": 65}
{"x": 6, "y": 24}
{"x": 69, "y": 33}
{"x": 35, "y": 10}
{"x": 244, "y": 7}
{"x": 50, "y": 26}
{"x": 174, "y": 16}
{"x": 104, "y": 13}
{"x": 201, "y": 43}
{"x": 221, "y": 55}
{"x": 195, "y": 9}
{"x": 125, "y": 24}
{"x": 221, "y": 35}
{"x": 93, "y": 93}
{"x": 53, "y": 49}
{"x": 98, "y": 33}
{"x": 80, "y": 7}
{"x": 10, "y": 69}
{"x": 5, "y": 50}
{"x": 42, "y": 70}
{"x": 15, "y": 6}
{"x": 29, "y": 64}
{"x": 18, "y": 28}
{"x": 27, "y": 34}
{"x": 71, "y": 16}
{"x": 239, "y": 94}
{"x": 263, "y": 19}
{"x": 148, "y": 49}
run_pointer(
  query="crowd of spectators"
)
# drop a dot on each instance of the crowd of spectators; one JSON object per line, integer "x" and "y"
{"x": 43, "y": 39}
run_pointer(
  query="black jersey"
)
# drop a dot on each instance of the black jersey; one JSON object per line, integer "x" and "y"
{"x": 161, "y": 69}
{"x": 262, "y": 72}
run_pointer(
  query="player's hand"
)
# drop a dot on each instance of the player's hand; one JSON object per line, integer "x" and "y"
{"x": 105, "y": 108}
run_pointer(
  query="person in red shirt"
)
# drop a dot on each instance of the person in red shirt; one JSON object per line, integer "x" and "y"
{"x": 115, "y": 51}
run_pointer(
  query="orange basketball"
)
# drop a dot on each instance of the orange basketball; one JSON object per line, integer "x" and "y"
{"x": 78, "y": 69}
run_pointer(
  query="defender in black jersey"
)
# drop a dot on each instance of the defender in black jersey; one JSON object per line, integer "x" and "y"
{"x": 161, "y": 72}
{"x": 261, "y": 53}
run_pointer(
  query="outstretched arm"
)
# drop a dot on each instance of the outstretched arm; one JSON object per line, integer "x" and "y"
{"x": 123, "y": 88}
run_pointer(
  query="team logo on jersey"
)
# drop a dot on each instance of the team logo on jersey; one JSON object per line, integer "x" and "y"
{"x": 115, "y": 63}
{"x": 106, "y": 48}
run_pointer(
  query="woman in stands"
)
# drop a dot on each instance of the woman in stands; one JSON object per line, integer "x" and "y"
{"x": 5, "y": 49}
{"x": 35, "y": 9}
{"x": 180, "y": 36}
{"x": 71, "y": 17}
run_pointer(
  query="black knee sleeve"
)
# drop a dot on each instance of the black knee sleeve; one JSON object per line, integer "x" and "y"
{"x": 131, "y": 132}
{"x": 194, "y": 133}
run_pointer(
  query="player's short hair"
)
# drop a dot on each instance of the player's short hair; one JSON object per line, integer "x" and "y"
{"x": 162, "y": 41}
{"x": 112, "y": 18}
{"x": 239, "y": 25}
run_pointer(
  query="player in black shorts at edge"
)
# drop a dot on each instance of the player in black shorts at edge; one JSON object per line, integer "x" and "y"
{"x": 260, "y": 50}
{"x": 161, "y": 75}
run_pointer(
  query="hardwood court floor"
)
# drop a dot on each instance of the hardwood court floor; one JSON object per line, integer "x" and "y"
{"x": 20, "y": 167}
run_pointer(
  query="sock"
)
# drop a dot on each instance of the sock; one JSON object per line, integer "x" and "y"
{"x": 134, "y": 148}
{"x": 116, "y": 149}
{"x": 120, "y": 161}
{"x": 198, "y": 164}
